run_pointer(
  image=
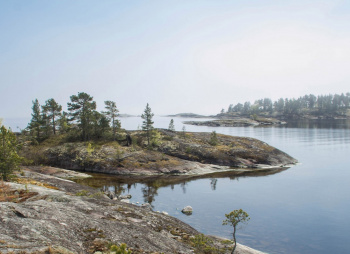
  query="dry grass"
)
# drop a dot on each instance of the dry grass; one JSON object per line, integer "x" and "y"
{"x": 9, "y": 195}
{"x": 33, "y": 182}
{"x": 5, "y": 192}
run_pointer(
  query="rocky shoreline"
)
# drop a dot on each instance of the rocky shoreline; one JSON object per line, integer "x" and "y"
{"x": 55, "y": 215}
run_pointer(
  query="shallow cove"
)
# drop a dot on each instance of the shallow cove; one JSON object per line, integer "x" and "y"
{"x": 303, "y": 209}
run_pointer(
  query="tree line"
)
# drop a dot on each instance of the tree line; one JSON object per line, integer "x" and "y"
{"x": 307, "y": 104}
{"x": 82, "y": 121}
{"x": 82, "y": 118}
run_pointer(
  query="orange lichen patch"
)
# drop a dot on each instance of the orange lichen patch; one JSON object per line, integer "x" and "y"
{"x": 33, "y": 182}
{"x": 9, "y": 195}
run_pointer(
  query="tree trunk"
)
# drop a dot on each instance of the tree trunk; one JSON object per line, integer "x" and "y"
{"x": 234, "y": 239}
{"x": 113, "y": 128}
{"x": 148, "y": 136}
{"x": 54, "y": 124}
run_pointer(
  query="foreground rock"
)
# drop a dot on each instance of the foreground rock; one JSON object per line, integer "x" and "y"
{"x": 171, "y": 153}
{"x": 64, "y": 217}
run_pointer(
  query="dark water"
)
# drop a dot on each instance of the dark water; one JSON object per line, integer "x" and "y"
{"x": 303, "y": 209}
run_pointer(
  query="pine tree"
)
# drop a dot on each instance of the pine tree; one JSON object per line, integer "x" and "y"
{"x": 171, "y": 125}
{"x": 234, "y": 218}
{"x": 63, "y": 122}
{"x": 52, "y": 111}
{"x": 147, "y": 124}
{"x": 9, "y": 158}
{"x": 36, "y": 122}
{"x": 82, "y": 109}
{"x": 112, "y": 114}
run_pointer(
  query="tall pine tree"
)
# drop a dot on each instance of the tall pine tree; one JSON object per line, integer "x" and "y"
{"x": 112, "y": 114}
{"x": 52, "y": 111}
{"x": 171, "y": 125}
{"x": 36, "y": 122}
{"x": 82, "y": 108}
{"x": 147, "y": 124}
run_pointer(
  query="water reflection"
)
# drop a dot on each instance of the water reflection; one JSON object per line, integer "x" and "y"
{"x": 149, "y": 185}
{"x": 319, "y": 124}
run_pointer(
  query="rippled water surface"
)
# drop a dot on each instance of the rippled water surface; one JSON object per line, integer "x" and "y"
{"x": 304, "y": 209}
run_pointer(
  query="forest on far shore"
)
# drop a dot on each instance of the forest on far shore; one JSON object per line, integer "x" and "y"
{"x": 312, "y": 105}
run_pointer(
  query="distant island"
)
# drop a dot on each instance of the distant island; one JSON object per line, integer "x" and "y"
{"x": 310, "y": 106}
{"x": 189, "y": 115}
{"x": 266, "y": 112}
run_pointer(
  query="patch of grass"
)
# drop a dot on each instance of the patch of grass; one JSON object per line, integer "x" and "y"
{"x": 119, "y": 249}
{"x": 82, "y": 193}
{"x": 204, "y": 244}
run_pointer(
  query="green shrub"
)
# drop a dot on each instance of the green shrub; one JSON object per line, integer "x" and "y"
{"x": 82, "y": 193}
{"x": 213, "y": 139}
{"x": 120, "y": 249}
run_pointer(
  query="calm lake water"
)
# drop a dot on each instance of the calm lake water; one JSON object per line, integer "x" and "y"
{"x": 304, "y": 209}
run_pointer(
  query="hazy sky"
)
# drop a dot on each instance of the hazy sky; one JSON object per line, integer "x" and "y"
{"x": 179, "y": 56}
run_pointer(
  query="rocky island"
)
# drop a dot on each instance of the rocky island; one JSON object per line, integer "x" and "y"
{"x": 171, "y": 153}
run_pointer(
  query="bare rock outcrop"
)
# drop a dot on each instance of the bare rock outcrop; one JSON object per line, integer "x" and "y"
{"x": 60, "y": 216}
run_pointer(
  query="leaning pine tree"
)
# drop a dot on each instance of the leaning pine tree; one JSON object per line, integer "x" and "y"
{"x": 147, "y": 124}
{"x": 233, "y": 219}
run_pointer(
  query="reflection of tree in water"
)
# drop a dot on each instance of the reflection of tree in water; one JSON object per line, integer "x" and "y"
{"x": 150, "y": 185}
{"x": 213, "y": 183}
{"x": 149, "y": 191}
{"x": 118, "y": 188}
{"x": 183, "y": 186}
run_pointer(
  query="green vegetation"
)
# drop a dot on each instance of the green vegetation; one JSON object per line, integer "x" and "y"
{"x": 234, "y": 218}
{"x": 204, "y": 244}
{"x": 213, "y": 139}
{"x": 51, "y": 111}
{"x": 112, "y": 113}
{"x": 82, "y": 110}
{"x": 82, "y": 193}
{"x": 120, "y": 249}
{"x": 171, "y": 125}
{"x": 9, "y": 158}
{"x": 336, "y": 104}
{"x": 36, "y": 124}
{"x": 147, "y": 124}
{"x": 81, "y": 123}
